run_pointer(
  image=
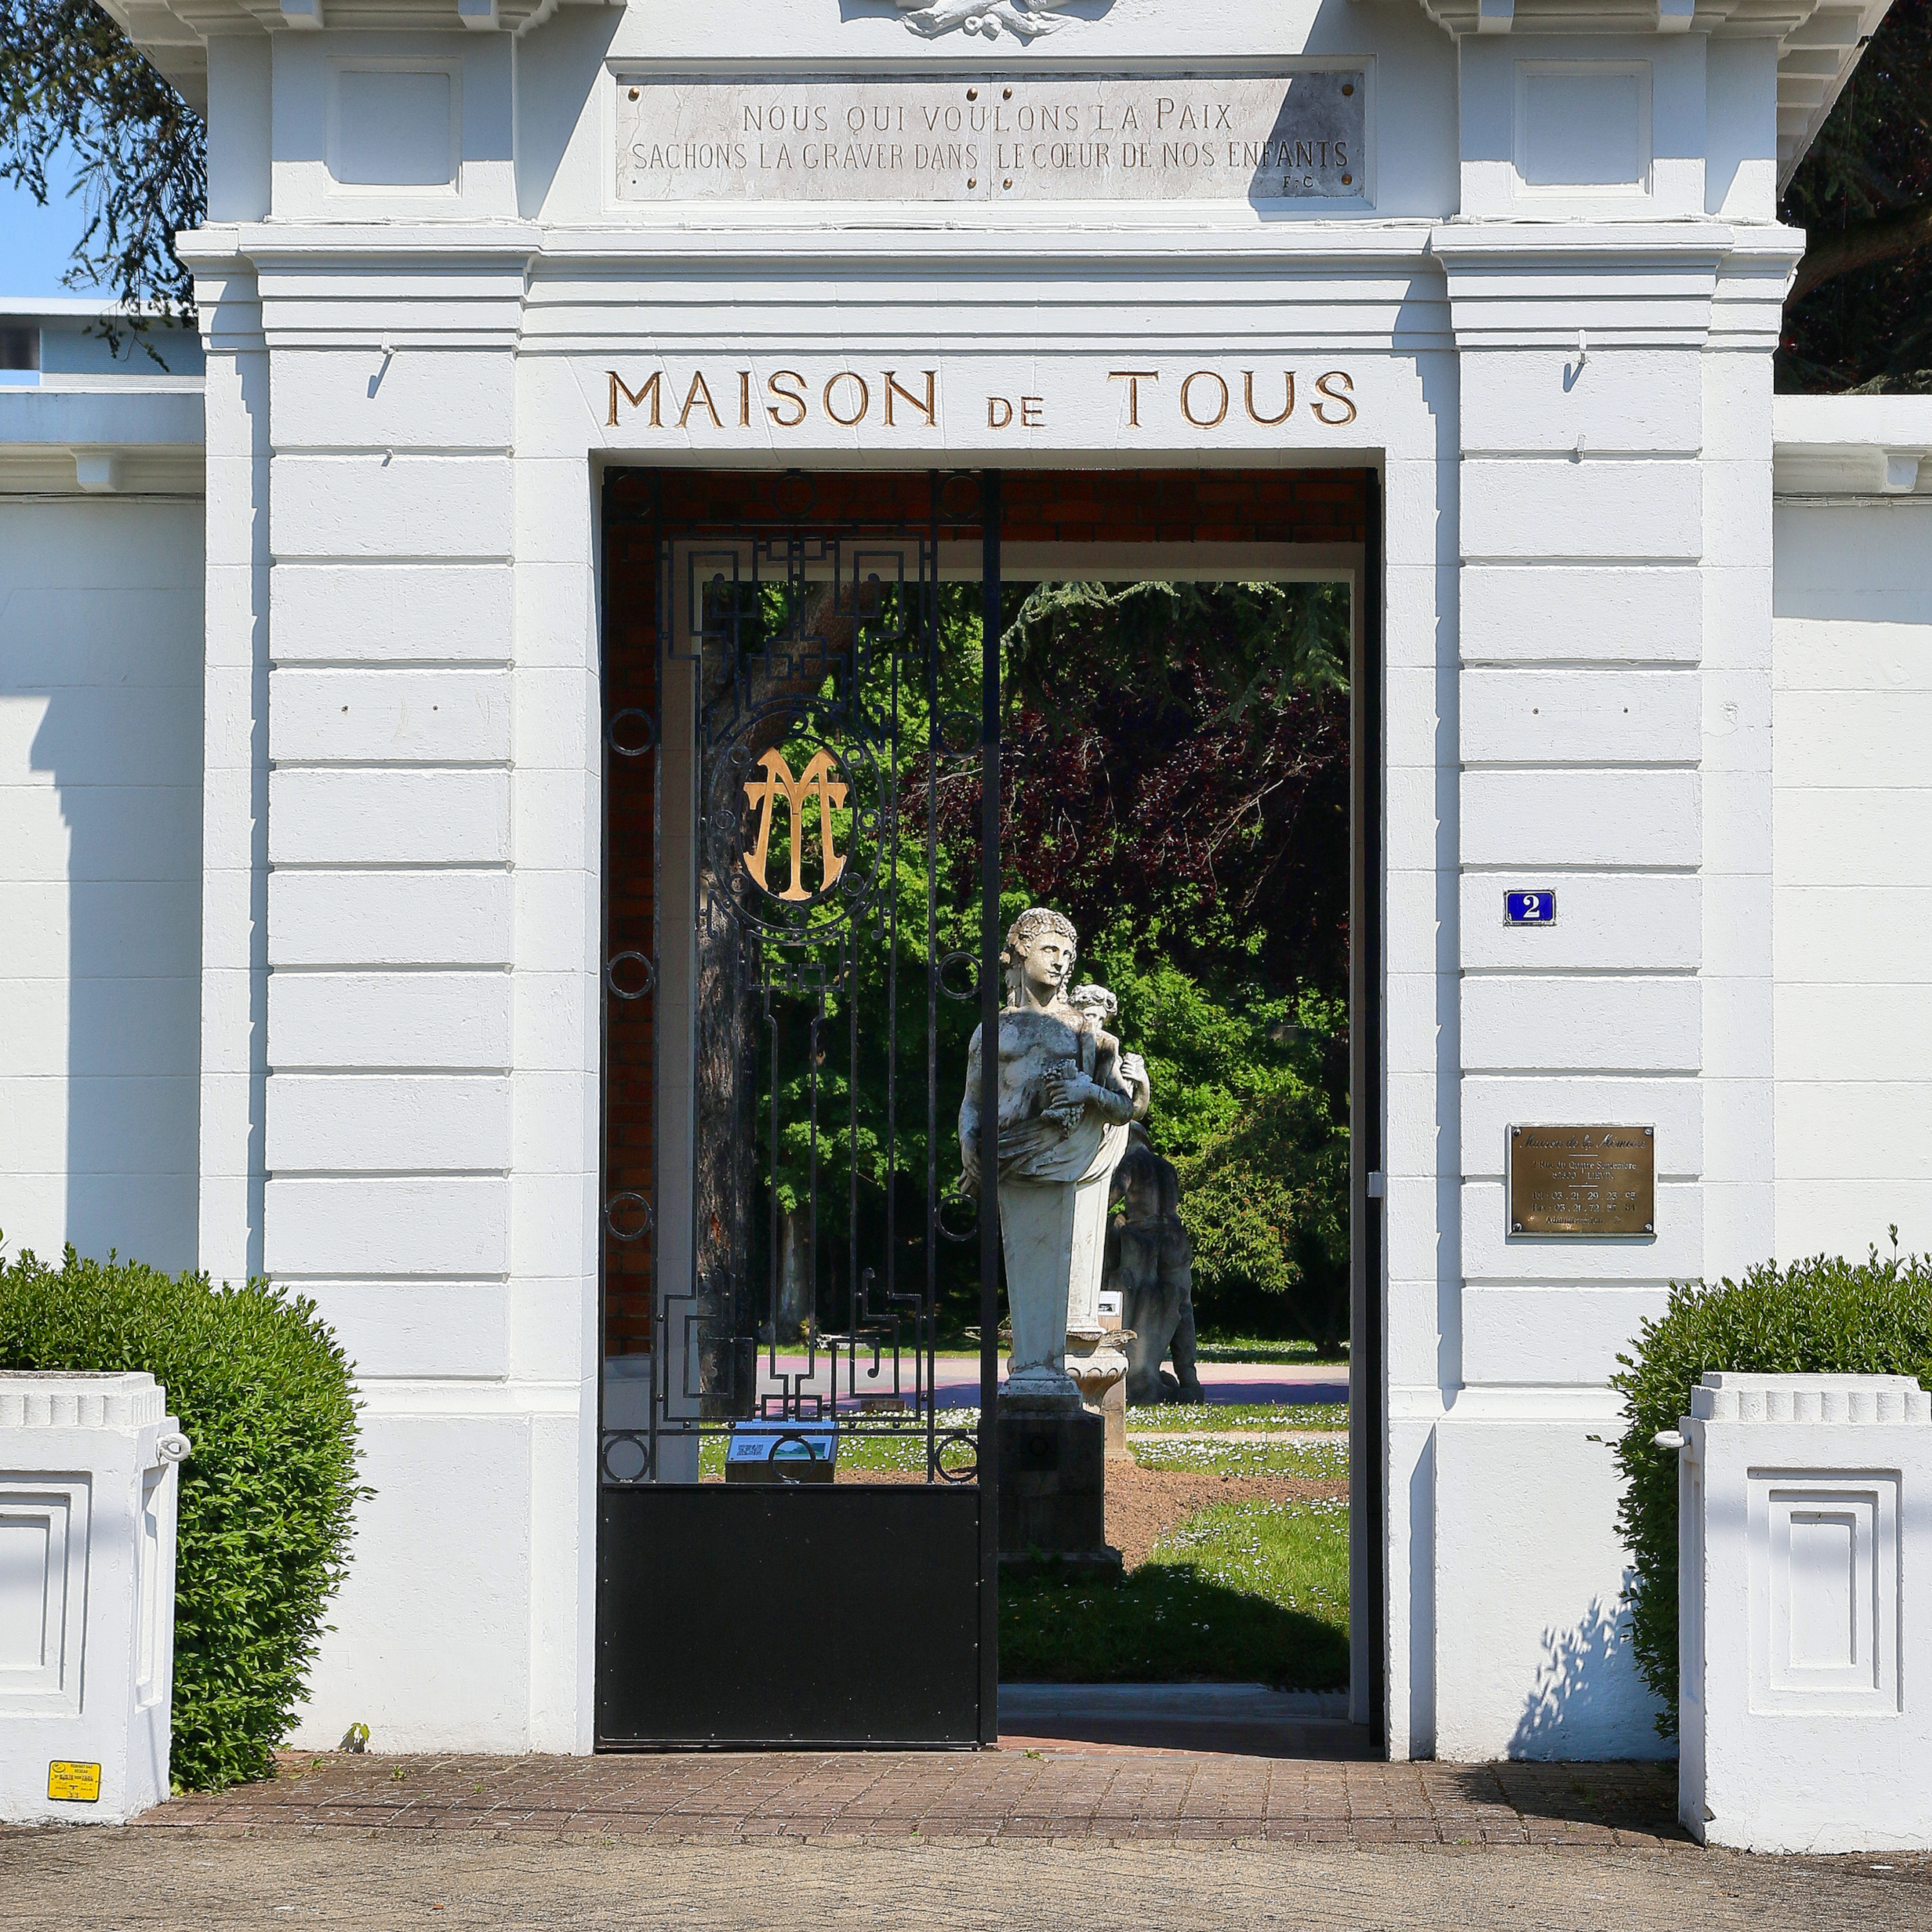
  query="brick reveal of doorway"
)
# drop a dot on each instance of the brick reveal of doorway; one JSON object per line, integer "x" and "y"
{"x": 1111, "y": 506}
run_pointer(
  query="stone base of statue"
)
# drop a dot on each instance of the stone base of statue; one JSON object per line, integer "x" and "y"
{"x": 1045, "y": 1389}
{"x": 1054, "y": 1235}
{"x": 1053, "y": 1493}
{"x": 1096, "y": 1360}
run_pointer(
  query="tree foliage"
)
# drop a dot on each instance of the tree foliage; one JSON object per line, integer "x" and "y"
{"x": 1860, "y": 315}
{"x": 73, "y": 87}
{"x": 1180, "y": 762}
{"x": 1266, "y": 1203}
{"x": 1178, "y": 755}
{"x": 1175, "y": 767}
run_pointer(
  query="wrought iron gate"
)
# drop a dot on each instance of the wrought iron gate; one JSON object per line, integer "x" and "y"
{"x": 821, "y": 728}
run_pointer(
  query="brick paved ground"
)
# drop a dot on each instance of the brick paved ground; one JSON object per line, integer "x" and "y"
{"x": 243, "y": 1877}
{"x": 1011, "y": 1793}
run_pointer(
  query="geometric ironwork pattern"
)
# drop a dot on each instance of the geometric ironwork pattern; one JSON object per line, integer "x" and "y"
{"x": 804, "y": 714}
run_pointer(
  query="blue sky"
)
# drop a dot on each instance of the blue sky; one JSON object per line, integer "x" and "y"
{"x": 36, "y": 243}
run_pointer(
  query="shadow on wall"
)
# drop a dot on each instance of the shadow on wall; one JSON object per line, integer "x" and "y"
{"x": 1580, "y": 1704}
{"x": 100, "y": 877}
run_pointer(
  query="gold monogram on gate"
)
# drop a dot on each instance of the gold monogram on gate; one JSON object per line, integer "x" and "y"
{"x": 779, "y": 782}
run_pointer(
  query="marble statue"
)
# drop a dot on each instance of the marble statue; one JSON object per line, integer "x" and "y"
{"x": 1066, "y": 1094}
{"x": 1150, "y": 1263}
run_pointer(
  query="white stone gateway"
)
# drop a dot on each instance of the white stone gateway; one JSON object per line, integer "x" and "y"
{"x": 87, "y": 1592}
{"x": 314, "y": 692}
{"x": 1805, "y": 1603}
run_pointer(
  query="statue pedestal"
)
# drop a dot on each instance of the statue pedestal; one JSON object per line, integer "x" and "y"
{"x": 1096, "y": 1361}
{"x": 1052, "y": 1486}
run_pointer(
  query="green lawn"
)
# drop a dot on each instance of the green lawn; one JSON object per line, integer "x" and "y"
{"x": 1245, "y": 1592}
{"x": 1321, "y": 1461}
{"x": 905, "y": 1449}
{"x": 1259, "y": 1348}
{"x": 1196, "y": 1418}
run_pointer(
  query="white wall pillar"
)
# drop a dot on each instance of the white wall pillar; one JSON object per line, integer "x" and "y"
{"x": 1739, "y": 1095}
{"x": 557, "y": 829}
{"x": 1582, "y": 699}
{"x": 410, "y": 989}
{"x": 234, "y": 910}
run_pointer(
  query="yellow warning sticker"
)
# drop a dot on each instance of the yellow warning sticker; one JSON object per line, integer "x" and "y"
{"x": 80, "y": 1783}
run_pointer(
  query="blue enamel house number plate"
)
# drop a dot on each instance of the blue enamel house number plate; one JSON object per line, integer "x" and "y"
{"x": 1529, "y": 908}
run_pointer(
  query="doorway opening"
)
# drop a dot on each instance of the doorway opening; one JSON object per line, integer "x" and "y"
{"x": 1183, "y": 669}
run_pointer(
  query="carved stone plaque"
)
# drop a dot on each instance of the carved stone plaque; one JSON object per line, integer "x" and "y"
{"x": 1582, "y": 1181}
{"x": 1261, "y": 139}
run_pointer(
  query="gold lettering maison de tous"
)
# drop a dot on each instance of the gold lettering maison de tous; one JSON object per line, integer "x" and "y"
{"x": 787, "y": 400}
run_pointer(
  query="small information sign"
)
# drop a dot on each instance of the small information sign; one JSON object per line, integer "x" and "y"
{"x": 1591, "y": 1181}
{"x": 1529, "y": 908}
{"x": 77, "y": 1783}
{"x": 780, "y": 1452}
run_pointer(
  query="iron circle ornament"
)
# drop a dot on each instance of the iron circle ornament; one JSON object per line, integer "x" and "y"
{"x": 794, "y": 495}
{"x": 614, "y": 977}
{"x": 617, "y": 1206}
{"x": 947, "y": 1215}
{"x": 626, "y": 1455}
{"x": 632, "y": 721}
{"x": 957, "y": 734}
{"x": 949, "y": 985}
{"x": 964, "y": 1439}
{"x": 960, "y": 497}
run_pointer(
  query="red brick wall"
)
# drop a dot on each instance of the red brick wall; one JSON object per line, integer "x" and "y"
{"x": 1324, "y": 506}
{"x": 1166, "y": 506}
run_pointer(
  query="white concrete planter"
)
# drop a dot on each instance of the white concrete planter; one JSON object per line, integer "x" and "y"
{"x": 1805, "y": 1607}
{"x": 87, "y": 1594}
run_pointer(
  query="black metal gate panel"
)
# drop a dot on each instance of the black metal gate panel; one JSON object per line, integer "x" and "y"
{"x": 823, "y": 727}
{"x": 829, "y": 1616}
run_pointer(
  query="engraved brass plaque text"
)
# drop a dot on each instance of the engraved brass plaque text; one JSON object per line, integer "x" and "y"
{"x": 1582, "y": 1181}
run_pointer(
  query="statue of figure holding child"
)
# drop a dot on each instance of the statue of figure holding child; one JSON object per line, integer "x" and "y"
{"x": 1067, "y": 1093}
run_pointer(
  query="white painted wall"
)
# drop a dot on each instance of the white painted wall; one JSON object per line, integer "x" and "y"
{"x": 101, "y": 721}
{"x": 1853, "y": 830}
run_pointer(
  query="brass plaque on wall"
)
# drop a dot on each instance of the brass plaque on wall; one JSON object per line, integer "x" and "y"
{"x": 1582, "y": 1181}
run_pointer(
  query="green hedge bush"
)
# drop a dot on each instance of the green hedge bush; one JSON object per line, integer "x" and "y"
{"x": 1823, "y": 1315}
{"x": 267, "y": 1497}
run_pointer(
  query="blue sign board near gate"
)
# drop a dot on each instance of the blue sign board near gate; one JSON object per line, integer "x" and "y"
{"x": 1529, "y": 908}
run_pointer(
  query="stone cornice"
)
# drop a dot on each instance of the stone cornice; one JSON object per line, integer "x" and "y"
{"x": 1663, "y": 284}
{"x": 174, "y": 34}
{"x": 1856, "y": 446}
{"x": 107, "y": 437}
{"x": 1765, "y": 19}
{"x": 1819, "y": 41}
